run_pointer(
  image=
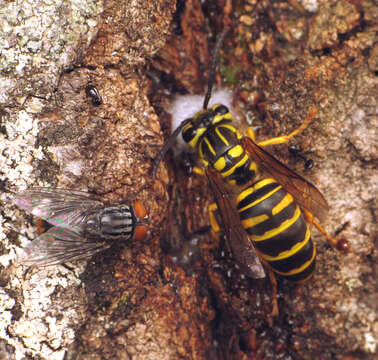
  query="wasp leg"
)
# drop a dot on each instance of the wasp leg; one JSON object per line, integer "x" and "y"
{"x": 286, "y": 138}
{"x": 213, "y": 221}
{"x": 199, "y": 171}
{"x": 215, "y": 228}
{"x": 251, "y": 133}
{"x": 310, "y": 218}
{"x": 273, "y": 281}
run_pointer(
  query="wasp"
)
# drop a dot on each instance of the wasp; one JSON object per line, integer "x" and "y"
{"x": 265, "y": 207}
{"x": 82, "y": 224}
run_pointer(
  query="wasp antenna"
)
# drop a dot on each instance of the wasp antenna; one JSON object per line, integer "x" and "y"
{"x": 213, "y": 67}
{"x": 166, "y": 147}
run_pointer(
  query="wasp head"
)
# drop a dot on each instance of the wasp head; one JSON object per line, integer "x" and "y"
{"x": 203, "y": 121}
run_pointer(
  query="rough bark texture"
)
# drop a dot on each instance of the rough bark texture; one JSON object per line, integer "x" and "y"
{"x": 172, "y": 296}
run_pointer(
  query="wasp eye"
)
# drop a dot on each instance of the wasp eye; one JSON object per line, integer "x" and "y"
{"x": 221, "y": 110}
{"x": 189, "y": 134}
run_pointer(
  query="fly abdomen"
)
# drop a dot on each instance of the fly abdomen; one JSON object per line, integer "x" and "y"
{"x": 277, "y": 228}
{"x": 117, "y": 222}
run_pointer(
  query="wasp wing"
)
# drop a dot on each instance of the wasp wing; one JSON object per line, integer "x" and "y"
{"x": 306, "y": 194}
{"x": 59, "y": 245}
{"x": 60, "y": 207}
{"x": 238, "y": 241}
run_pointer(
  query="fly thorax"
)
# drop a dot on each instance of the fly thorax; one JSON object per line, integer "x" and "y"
{"x": 117, "y": 222}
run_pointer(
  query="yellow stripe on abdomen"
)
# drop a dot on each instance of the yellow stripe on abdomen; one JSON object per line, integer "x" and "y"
{"x": 273, "y": 232}
{"x": 286, "y": 254}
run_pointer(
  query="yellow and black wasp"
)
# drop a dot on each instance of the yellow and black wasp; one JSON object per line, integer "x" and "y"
{"x": 270, "y": 218}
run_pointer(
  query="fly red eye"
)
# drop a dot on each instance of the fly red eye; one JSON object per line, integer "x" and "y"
{"x": 139, "y": 209}
{"x": 140, "y": 232}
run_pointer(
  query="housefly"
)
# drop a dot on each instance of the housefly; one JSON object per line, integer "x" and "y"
{"x": 82, "y": 224}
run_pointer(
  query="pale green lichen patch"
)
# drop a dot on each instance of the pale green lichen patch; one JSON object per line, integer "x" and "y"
{"x": 44, "y": 326}
{"x": 38, "y": 42}
{"x": 35, "y": 325}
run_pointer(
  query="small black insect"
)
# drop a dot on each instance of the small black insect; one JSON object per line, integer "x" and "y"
{"x": 296, "y": 151}
{"x": 93, "y": 93}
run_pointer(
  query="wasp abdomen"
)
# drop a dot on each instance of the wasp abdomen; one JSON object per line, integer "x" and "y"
{"x": 277, "y": 228}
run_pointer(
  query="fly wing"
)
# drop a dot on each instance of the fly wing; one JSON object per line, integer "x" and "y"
{"x": 306, "y": 194}
{"x": 60, "y": 207}
{"x": 238, "y": 241}
{"x": 59, "y": 245}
